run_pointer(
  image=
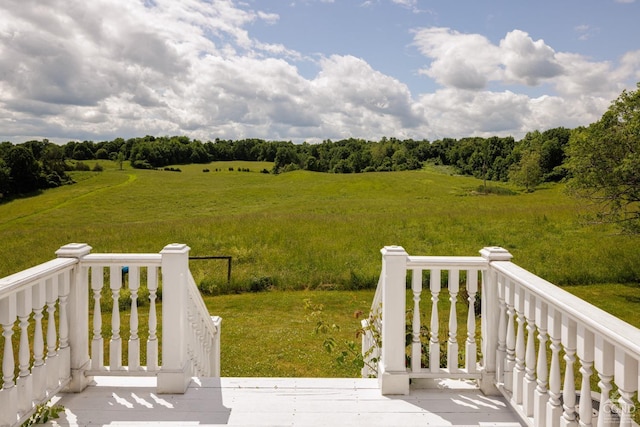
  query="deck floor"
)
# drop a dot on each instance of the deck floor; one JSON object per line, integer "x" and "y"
{"x": 280, "y": 402}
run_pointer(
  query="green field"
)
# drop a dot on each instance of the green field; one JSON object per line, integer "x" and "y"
{"x": 310, "y": 231}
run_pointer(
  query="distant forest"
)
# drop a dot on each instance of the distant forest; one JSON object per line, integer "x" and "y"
{"x": 538, "y": 157}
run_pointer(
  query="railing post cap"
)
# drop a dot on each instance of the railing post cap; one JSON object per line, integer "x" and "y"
{"x": 175, "y": 248}
{"x": 393, "y": 251}
{"x": 496, "y": 253}
{"x": 73, "y": 250}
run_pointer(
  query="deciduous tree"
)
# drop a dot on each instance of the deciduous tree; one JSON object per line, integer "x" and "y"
{"x": 527, "y": 172}
{"x": 604, "y": 160}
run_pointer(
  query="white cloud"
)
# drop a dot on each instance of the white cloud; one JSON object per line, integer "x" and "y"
{"x": 72, "y": 69}
{"x": 526, "y": 61}
{"x": 359, "y": 100}
{"x": 466, "y": 61}
{"x": 458, "y": 113}
{"x": 470, "y": 61}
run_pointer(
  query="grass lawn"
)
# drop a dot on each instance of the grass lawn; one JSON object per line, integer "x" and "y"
{"x": 269, "y": 333}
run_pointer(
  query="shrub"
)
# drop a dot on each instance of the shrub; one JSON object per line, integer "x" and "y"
{"x": 259, "y": 284}
{"x": 361, "y": 281}
{"x": 141, "y": 164}
{"x": 80, "y": 166}
{"x": 490, "y": 189}
{"x": 208, "y": 287}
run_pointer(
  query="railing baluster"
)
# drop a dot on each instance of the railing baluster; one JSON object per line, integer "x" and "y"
{"x": 470, "y": 348}
{"x": 541, "y": 395}
{"x": 626, "y": 378}
{"x": 518, "y": 370}
{"x": 434, "y": 342}
{"x": 52, "y": 355}
{"x": 115, "y": 345}
{"x": 64, "y": 351}
{"x": 569, "y": 388}
{"x": 554, "y": 405}
{"x": 24, "y": 380}
{"x": 192, "y": 338}
{"x": 197, "y": 339}
{"x": 529, "y": 385}
{"x": 604, "y": 361}
{"x": 152, "y": 340}
{"x": 510, "y": 360}
{"x": 8, "y": 394}
{"x": 452, "y": 345}
{"x": 200, "y": 342}
{"x": 585, "y": 348}
{"x": 501, "y": 352}
{"x": 416, "y": 344}
{"x": 97, "y": 343}
{"x": 206, "y": 351}
{"x": 134, "y": 341}
{"x": 39, "y": 378}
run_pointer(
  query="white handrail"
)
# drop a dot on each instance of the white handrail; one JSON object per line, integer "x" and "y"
{"x": 142, "y": 260}
{"x": 26, "y": 278}
{"x": 205, "y": 341}
{"x": 446, "y": 262}
{"x": 596, "y": 319}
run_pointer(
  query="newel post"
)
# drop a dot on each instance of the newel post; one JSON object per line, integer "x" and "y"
{"x": 77, "y": 315}
{"x": 490, "y": 318}
{"x": 392, "y": 371}
{"x": 175, "y": 373}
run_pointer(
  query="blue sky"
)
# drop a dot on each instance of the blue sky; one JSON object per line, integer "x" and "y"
{"x": 308, "y": 70}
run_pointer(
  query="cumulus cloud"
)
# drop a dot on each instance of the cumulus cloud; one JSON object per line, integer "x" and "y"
{"x": 527, "y": 61}
{"x": 466, "y": 61}
{"x": 470, "y": 61}
{"x": 357, "y": 99}
{"x": 72, "y": 69}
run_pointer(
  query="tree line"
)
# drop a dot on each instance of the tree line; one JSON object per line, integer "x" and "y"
{"x": 42, "y": 164}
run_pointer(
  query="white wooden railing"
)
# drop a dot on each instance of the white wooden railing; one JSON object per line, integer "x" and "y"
{"x": 527, "y": 324}
{"x": 54, "y": 302}
{"x": 203, "y": 340}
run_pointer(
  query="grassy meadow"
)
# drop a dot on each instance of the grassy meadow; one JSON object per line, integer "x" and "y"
{"x": 311, "y": 232}
{"x": 302, "y": 230}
